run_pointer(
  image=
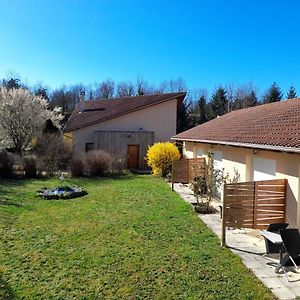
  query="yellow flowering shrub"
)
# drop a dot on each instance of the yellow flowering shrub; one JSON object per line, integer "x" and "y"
{"x": 159, "y": 157}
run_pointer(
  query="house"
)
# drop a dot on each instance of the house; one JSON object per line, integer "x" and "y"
{"x": 260, "y": 143}
{"x": 123, "y": 127}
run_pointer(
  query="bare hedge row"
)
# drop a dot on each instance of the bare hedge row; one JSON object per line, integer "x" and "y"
{"x": 93, "y": 163}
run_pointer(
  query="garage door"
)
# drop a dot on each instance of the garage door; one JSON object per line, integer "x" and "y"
{"x": 263, "y": 169}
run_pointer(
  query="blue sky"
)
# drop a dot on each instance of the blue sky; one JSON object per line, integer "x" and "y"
{"x": 207, "y": 43}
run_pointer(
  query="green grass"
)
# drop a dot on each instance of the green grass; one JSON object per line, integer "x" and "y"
{"x": 129, "y": 238}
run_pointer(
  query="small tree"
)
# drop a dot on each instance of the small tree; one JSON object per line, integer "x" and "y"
{"x": 291, "y": 94}
{"x": 160, "y": 156}
{"x": 205, "y": 187}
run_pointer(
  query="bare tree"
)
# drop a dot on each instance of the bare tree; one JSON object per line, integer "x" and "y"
{"x": 106, "y": 89}
{"x": 143, "y": 87}
{"x": 172, "y": 86}
{"x": 66, "y": 97}
{"x": 125, "y": 89}
{"x": 245, "y": 96}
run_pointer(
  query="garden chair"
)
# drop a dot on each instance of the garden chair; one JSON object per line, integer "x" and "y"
{"x": 291, "y": 242}
{"x": 272, "y": 248}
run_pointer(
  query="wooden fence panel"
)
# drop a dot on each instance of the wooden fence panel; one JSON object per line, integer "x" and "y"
{"x": 271, "y": 196}
{"x": 196, "y": 168}
{"x": 253, "y": 204}
{"x": 180, "y": 171}
{"x": 184, "y": 170}
{"x": 263, "y": 201}
{"x": 238, "y": 205}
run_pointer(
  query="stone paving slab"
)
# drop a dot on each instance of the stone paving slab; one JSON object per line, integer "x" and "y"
{"x": 250, "y": 246}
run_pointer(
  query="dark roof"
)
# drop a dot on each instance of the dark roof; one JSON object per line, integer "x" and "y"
{"x": 274, "y": 126}
{"x": 96, "y": 111}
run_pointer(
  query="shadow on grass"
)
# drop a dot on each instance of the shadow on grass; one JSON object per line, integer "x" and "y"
{"x": 6, "y": 293}
{"x": 7, "y": 202}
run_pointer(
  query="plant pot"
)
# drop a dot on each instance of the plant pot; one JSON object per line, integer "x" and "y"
{"x": 204, "y": 209}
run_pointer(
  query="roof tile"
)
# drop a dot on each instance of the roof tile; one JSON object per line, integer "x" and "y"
{"x": 274, "y": 124}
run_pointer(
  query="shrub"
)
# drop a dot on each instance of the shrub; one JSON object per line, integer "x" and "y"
{"x": 98, "y": 162}
{"x": 29, "y": 165}
{"x": 6, "y": 164}
{"x": 77, "y": 167}
{"x": 159, "y": 158}
{"x": 52, "y": 155}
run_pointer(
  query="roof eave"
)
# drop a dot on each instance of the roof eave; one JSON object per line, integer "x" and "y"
{"x": 245, "y": 145}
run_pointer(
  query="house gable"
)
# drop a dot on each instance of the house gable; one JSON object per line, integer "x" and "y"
{"x": 96, "y": 111}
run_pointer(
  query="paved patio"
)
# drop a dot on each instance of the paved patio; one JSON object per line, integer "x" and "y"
{"x": 250, "y": 246}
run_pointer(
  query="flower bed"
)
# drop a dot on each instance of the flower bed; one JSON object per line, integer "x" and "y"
{"x": 62, "y": 192}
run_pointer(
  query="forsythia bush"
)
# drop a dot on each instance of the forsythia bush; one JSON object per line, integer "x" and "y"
{"x": 159, "y": 157}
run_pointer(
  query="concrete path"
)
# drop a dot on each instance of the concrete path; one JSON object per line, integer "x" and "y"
{"x": 250, "y": 246}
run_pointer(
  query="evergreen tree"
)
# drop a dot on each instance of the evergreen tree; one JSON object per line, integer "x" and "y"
{"x": 199, "y": 113}
{"x": 291, "y": 94}
{"x": 273, "y": 94}
{"x": 42, "y": 92}
{"x": 49, "y": 127}
{"x": 182, "y": 117}
{"x": 218, "y": 105}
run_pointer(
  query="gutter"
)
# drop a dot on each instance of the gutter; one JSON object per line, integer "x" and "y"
{"x": 245, "y": 145}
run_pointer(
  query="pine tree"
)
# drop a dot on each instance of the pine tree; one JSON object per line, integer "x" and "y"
{"x": 273, "y": 94}
{"x": 182, "y": 117}
{"x": 291, "y": 94}
{"x": 201, "y": 107}
{"x": 218, "y": 105}
{"x": 197, "y": 112}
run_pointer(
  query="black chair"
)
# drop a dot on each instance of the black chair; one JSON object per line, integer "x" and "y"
{"x": 291, "y": 243}
{"x": 270, "y": 247}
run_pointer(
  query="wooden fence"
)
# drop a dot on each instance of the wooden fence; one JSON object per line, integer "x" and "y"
{"x": 184, "y": 170}
{"x": 253, "y": 204}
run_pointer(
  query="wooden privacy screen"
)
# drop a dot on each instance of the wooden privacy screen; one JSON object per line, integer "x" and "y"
{"x": 184, "y": 170}
{"x": 253, "y": 204}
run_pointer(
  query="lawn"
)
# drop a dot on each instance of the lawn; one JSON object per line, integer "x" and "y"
{"x": 129, "y": 238}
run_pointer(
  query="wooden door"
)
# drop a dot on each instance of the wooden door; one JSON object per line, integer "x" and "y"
{"x": 133, "y": 156}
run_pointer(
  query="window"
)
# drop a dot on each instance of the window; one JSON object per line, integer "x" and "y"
{"x": 89, "y": 147}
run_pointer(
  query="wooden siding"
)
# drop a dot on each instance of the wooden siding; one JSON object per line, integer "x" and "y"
{"x": 116, "y": 143}
{"x": 184, "y": 170}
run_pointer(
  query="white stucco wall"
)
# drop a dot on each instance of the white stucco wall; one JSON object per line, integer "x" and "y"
{"x": 241, "y": 159}
{"x": 160, "y": 118}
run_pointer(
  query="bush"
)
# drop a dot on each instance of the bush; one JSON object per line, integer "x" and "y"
{"x": 98, "y": 162}
{"x": 29, "y": 165}
{"x": 159, "y": 158}
{"x": 52, "y": 155}
{"x": 6, "y": 164}
{"x": 77, "y": 167}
